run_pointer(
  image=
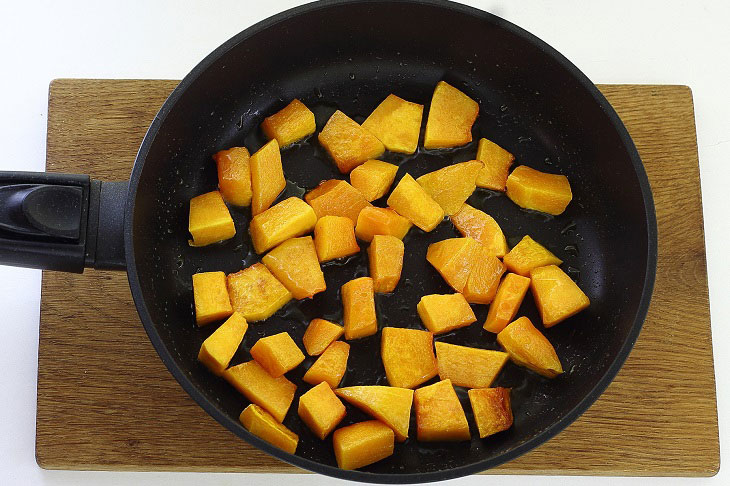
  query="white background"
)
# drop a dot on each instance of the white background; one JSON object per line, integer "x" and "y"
{"x": 617, "y": 41}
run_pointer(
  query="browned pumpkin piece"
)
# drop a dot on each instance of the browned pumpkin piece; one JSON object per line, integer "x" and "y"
{"x": 264, "y": 426}
{"x": 218, "y": 349}
{"x": 469, "y": 367}
{"x": 321, "y": 410}
{"x": 450, "y": 118}
{"x": 556, "y": 295}
{"x": 497, "y": 162}
{"x": 381, "y": 221}
{"x": 528, "y": 254}
{"x": 410, "y": 200}
{"x": 330, "y": 367}
{"x": 277, "y": 354}
{"x": 234, "y": 175}
{"x": 540, "y": 191}
{"x": 373, "y": 178}
{"x": 492, "y": 410}
{"x": 320, "y": 334}
{"x": 527, "y": 347}
{"x": 362, "y": 444}
{"x": 336, "y": 198}
{"x": 397, "y": 123}
{"x": 407, "y": 356}
{"x": 385, "y": 257}
{"x": 334, "y": 237}
{"x": 482, "y": 227}
{"x": 272, "y": 394}
{"x": 506, "y": 303}
{"x": 439, "y": 414}
{"x": 287, "y": 219}
{"x": 256, "y": 293}
{"x": 389, "y": 404}
{"x": 348, "y": 143}
{"x": 293, "y": 122}
{"x": 444, "y": 313}
{"x": 453, "y": 258}
{"x": 451, "y": 186}
{"x": 487, "y": 270}
{"x": 358, "y": 301}
{"x": 294, "y": 263}
{"x": 267, "y": 177}
{"x": 210, "y": 296}
{"x": 209, "y": 220}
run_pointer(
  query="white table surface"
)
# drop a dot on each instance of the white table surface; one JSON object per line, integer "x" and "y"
{"x": 619, "y": 41}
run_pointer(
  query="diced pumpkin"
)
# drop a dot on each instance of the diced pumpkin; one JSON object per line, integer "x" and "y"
{"x": 482, "y": 227}
{"x": 336, "y": 198}
{"x": 527, "y": 347}
{"x": 211, "y": 297}
{"x": 407, "y": 356}
{"x": 272, "y": 394}
{"x": 373, "y": 178}
{"x": 556, "y": 295}
{"x": 487, "y": 270}
{"x": 451, "y": 186}
{"x": 267, "y": 177}
{"x": 497, "y": 162}
{"x": 506, "y": 303}
{"x": 381, "y": 221}
{"x": 450, "y": 118}
{"x": 209, "y": 220}
{"x": 528, "y": 254}
{"x": 321, "y": 410}
{"x": 277, "y": 354}
{"x": 330, "y": 367}
{"x": 218, "y": 349}
{"x": 334, "y": 237}
{"x": 492, "y": 410}
{"x": 295, "y": 264}
{"x": 362, "y": 444}
{"x": 469, "y": 367}
{"x": 412, "y": 201}
{"x": 397, "y": 123}
{"x": 256, "y": 293}
{"x": 444, "y": 313}
{"x": 540, "y": 191}
{"x": 358, "y": 301}
{"x": 320, "y": 334}
{"x": 234, "y": 175}
{"x": 264, "y": 426}
{"x": 348, "y": 143}
{"x": 439, "y": 414}
{"x": 293, "y": 122}
{"x": 385, "y": 257}
{"x": 287, "y": 219}
{"x": 389, "y": 404}
{"x": 453, "y": 258}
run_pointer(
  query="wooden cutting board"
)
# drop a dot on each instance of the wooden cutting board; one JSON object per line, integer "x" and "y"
{"x": 106, "y": 401}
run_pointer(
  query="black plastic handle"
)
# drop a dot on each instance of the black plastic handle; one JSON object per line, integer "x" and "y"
{"x": 61, "y": 221}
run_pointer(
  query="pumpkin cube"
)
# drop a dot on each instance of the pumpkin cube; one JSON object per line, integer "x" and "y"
{"x": 277, "y": 354}
{"x": 294, "y": 263}
{"x": 256, "y": 293}
{"x": 336, "y": 198}
{"x": 272, "y": 394}
{"x": 556, "y": 295}
{"x": 267, "y": 177}
{"x": 234, "y": 175}
{"x": 320, "y": 334}
{"x": 264, "y": 426}
{"x": 487, "y": 270}
{"x": 385, "y": 257}
{"x": 507, "y": 302}
{"x": 444, "y": 313}
{"x": 439, "y": 414}
{"x": 362, "y": 444}
{"x": 218, "y": 349}
{"x": 540, "y": 191}
{"x": 334, "y": 237}
{"x": 209, "y": 220}
{"x": 389, "y": 404}
{"x": 482, "y": 227}
{"x": 411, "y": 200}
{"x": 469, "y": 367}
{"x": 527, "y": 347}
{"x": 287, "y": 219}
{"x": 358, "y": 301}
{"x": 451, "y": 186}
{"x": 381, "y": 221}
{"x": 293, "y": 122}
{"x": 492, "y": 410}
{"x": 407, "y": 356}
{"x": 450, "y": 118}
{"x": 321, "y": 410}
{"x": 453, "y": 258}
{"x": 330, "y": 367}
{"x": 348, "y": 143}
{"x": 211, "y": 297}
{"x": 529, "y": 254}
{"x": 397, "y": 123}
{"x": 373, "y": 178}
{"x": 497, "y": 162}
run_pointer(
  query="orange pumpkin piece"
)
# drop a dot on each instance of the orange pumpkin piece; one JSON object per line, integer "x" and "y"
{"x": 362, "y": 444}
{"x": 234, "y": 175}
{"x": 439, "y": 414}
{"x": 267, "y": 177}
{"x": 492, "y": 410}
{"x": 451, "y": 186}
{"x": 218, "y": 349}
{"x": 469, "y": 367}
{"x": 321, "y": 410}
{"x": 482, "y": 227}
{"x": 373, "y": 178}
{"x": 264, "y": 426}
{"x": 412, "y": 201}
{"x": 293, "y": 122}
{"x": 527, "y": 347}
{"x": 444, "y": 313}
{"x": 556, "y": 295}
{"x": 407, "y": 356}
{"x": 507, "y": 302}
{"x": 381, "y": 221}
{"x": 277, "y": 354}
{"x": 348, "y": 143}
{"x": 334, "y": 237}
{"x": 358, "y": 301}
{"x": 389, "y": 404}
{"x": 209, "y": 220}
{"x": 453, "y": 258}
{"x": 256, "y": 293}
{"x": 294, "y": 263}
{"x": 385, "y": 256}
{"x": 540, "y": 191}
{"x": 497, "y": 162}
{"x": 397, "y": 123}
{"x": 330, "y": 367}
{"x": 486, "y": 271}
{"x": 287, "y": 219}
{"x": 450, "y": 118}
{"x": 211, "y": 297}
{"x": 529, "y": 254}
{"x": 320, "y": 334}
{"x": 272, "y": 394}
{"x": 336, "y": 198}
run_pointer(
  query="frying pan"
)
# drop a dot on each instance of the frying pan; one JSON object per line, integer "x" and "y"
{"x": 349, "y": 55}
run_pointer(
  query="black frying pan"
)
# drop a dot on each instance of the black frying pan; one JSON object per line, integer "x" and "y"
{"x": 350, "y": 55}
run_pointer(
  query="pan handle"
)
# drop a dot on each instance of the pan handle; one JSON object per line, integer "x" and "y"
{"x": 61, "y": 221}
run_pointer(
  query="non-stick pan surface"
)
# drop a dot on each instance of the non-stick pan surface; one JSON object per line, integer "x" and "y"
{"x": 350, "y": 56}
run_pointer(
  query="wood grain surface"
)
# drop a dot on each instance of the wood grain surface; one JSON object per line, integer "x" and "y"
{"x": 106, "y": 401}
